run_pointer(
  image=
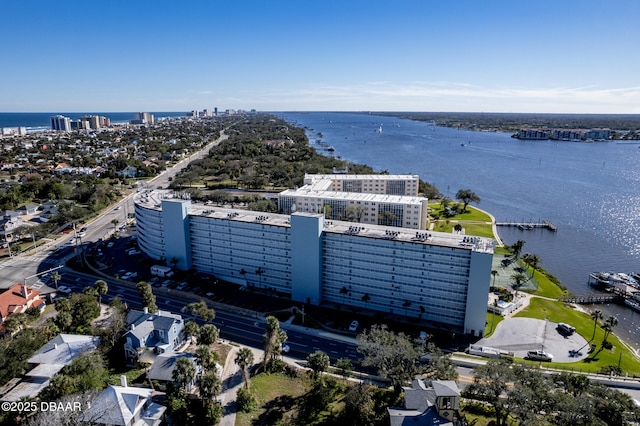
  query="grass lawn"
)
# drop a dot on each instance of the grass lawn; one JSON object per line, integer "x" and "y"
{"x": 546, "y": 287}
{"x": 276, "y": 393}
{"x": 557, "y": 312}
{"x": 492, "y": 320}
{"x": 474, "y": 221}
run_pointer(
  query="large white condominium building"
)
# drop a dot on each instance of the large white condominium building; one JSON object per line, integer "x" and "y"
{"x": 367, "y": 184}
{"x": 371, "y": 209}
{"x": 370, "y": 199}
{"x": 440, "y": 278}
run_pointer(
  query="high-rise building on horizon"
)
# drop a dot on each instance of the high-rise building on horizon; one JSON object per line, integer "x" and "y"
{"x": 61, "y": 123}
{"x": 143, "y": 118}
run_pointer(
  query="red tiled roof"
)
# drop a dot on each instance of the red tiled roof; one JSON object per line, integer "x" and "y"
{"x": 12, "y": 300}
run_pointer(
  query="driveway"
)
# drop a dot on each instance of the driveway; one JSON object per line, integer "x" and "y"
{"x": 519, "y": 335}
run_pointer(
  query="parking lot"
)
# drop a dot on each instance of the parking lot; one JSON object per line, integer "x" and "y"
{"x": 520, "y": 335}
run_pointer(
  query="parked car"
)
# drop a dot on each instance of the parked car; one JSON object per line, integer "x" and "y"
{"x": 566, "y": 329}
{"x": 539, "y": 355}
{"x": 182, "y": 285}
{"x": 64, "y": 289}
{"x": 285, "y": 347}
{"x": 354, "y": 326}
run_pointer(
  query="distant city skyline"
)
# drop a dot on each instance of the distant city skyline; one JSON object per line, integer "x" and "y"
{"x": 491, "y": 56}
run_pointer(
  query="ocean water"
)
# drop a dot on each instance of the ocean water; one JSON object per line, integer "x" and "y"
{"x": 590, "y": 191}
{"x": 41, "y": 120}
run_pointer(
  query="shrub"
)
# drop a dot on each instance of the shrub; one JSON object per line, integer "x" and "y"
{"x": 246, "y": 401}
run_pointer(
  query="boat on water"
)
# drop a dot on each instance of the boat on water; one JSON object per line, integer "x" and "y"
{"x": 614, "y": 279}
{"x": 331, "y": 149}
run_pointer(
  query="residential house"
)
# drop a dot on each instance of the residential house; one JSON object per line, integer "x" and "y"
{"x": 164, "y": 364}
{"x": 19, "y": 298}
{"x": 129, "y": 172}
{"x": 46, "y": 363}
{"x": 28, "y": 209}
{"x": 427, "y": 403}
{"x": 9, "y": 222}
{"x": 125, "y": 406}
{"x": 152, "y": 334}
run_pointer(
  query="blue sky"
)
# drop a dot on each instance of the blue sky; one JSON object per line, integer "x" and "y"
{"x": 557, "y": 56}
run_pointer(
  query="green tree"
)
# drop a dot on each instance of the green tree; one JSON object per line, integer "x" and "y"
{"x": 206, "y": 358}
{"x": 84, "y": 309}
{"x": 209, "y": 386}
{"x": 273, "y": 338}
{"x": 191, "y": 330}
{"x": 101, "y": 288}
{"x": 393, "y": 355}
{"x": 55, "y": 276}
{"x": 608, "y": 327}
{"x": 596, "y": 315}
{"x": 360, "y": 406}
{"x": 518, "y": 279}
{"x": 516, "y": 248}
{"x": 208, "y": 334}
{"x": 244, "y": 359}
{"x": 345, "y": 367}
{"x": 246, "y": 401}
{"x": 147, "y": 296}
{"x": 490, "y": 383}
{"x": 318, "y": 362}
{"x": 440, "y": 366}
{"x": 184, "y": 372}
{"x": 467, "y": 196}
{"x": 200, "y": 310}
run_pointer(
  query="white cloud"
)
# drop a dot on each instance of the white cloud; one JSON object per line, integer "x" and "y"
{"x": 444, "y": 96}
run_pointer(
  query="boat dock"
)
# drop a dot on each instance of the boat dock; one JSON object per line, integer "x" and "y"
{"x": 530, "y": 225}
{"x": 587, "y": 300}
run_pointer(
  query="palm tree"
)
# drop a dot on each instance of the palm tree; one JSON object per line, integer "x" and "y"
{"x": 365, "y": 299}
{"x": 205, "y": 357}
{"x": 244, "y": 359}
{"x": 343, "y": 291}
{"x": 494, "y": 273}
{"x": 516, "y": 248}
{"x": 101, "y": 288}
{"x": 209, "y": 386}
{"x": 115, "y": 223}
{"x": 611, "y": 322}
{"x": 259, "y": 272}
{"x": 596, "y": 315}
{"x": 55, "y": 276}
{"x": 519, "y": 279}
{"x": 184, "y": 372}
{"x": 406, "y": 305}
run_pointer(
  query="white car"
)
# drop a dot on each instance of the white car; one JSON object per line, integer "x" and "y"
{"x": 539, "y": 356}
{"x": 64, "y": 289}
{"x": 285, "y": 348}
{"x": 354, "y": 326}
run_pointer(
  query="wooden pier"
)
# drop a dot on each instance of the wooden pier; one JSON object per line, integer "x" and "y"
{"x": 586, "y": 300}
{"x": 530, "y": 225}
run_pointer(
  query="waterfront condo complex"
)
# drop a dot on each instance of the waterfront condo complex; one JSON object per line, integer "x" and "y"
{"x": 441, "y": 278}
{"x": 390, "y": 200}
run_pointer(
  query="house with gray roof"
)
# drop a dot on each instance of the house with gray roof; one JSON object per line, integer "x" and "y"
{"x": 428, "y": 403}
{"x": 152, "y": 334}
{"x": 164, "y": 364}
{"x": 125, "y": 406}
{"x": 47, "y": 362}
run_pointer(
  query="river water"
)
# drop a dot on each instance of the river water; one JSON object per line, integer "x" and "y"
{"x": 590, "y": 191}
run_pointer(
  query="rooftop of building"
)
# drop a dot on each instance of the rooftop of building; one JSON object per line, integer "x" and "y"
{"x": 153, "y": 199}
{"x": 310, "y": 191}
{"x": 358, "y": 177}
